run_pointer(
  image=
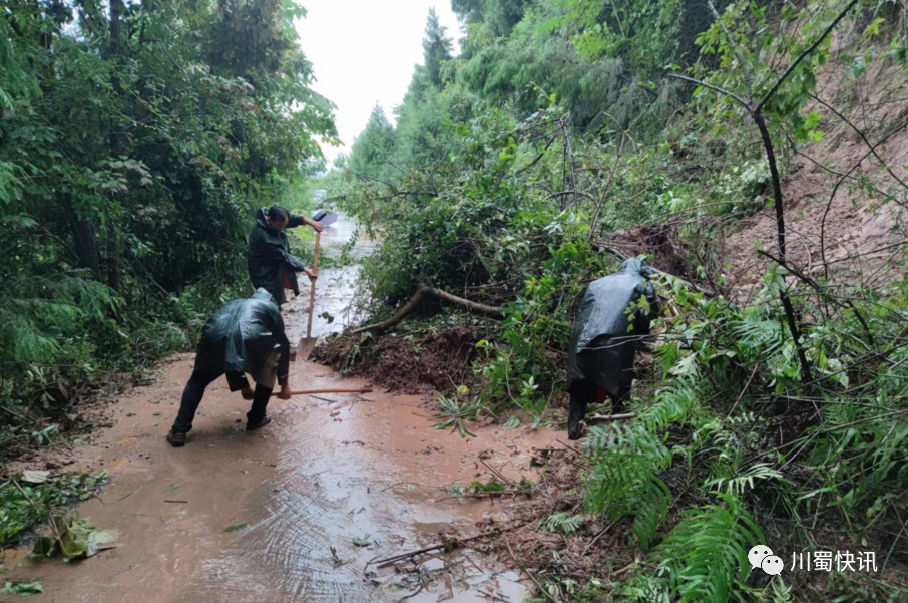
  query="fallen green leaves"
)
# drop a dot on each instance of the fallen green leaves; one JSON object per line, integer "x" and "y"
{"x": 73, "y": 539}
{"x": 26, "y": 589}
{"x": 29, "y": 499}
{"x": 237, "y": 528}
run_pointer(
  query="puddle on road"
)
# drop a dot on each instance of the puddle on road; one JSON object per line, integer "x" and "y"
{"x": 330, "y": 469}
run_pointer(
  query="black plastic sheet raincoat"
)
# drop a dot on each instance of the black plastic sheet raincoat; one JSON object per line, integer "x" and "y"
{"x": 605, "y": 334}
{"x": 270, "y": 264}
{"x": 241, "y": 337}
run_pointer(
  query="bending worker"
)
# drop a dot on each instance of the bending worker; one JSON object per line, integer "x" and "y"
{"x": 611, "y": 320}
{"x": 270, "y": 264}
{"x": 244, "y": 336}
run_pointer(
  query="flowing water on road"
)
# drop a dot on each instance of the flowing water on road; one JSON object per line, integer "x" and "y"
{"x": 331, "y": 469}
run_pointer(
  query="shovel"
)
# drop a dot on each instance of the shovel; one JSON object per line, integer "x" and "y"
{"x": 307, "y": 343}
{"x": 304, "y": 349}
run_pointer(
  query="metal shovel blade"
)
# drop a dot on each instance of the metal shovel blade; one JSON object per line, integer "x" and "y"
{"x": 305, "y": 347}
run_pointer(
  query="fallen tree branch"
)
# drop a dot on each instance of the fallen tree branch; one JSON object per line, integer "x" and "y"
{"x": 606, "y": 418}
{"x": 493, "y": 311}
{"x": 488, "y": 495}
{"x": 430, "y": 549}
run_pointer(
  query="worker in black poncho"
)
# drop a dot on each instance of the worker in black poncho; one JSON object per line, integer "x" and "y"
{"x": 244, "y": 336}
{"x": 270, "y": 264}
{"x": 614, "y": 316}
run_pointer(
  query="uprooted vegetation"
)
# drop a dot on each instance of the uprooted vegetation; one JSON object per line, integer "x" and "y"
{"x": 774, "y": 411}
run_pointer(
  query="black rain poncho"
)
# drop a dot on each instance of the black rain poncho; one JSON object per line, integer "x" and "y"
{"x": 240, "y": 337}
{"x": 602, "y": 347}
{"x": 269, "y": 257}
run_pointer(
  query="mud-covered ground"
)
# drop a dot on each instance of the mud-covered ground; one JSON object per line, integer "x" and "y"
{"x": 311, "y": 501}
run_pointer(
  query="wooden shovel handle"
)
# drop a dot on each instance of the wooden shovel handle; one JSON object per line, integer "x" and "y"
{"x": 318, "y": 241}
{"x": 330, "y": 390}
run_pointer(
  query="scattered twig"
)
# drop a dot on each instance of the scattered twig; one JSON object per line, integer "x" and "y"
{"x": 568, "y": 446}
{"x": 548, "y": 595}
{"x": 496, "y": 473}
{"x": 429, "y": 549}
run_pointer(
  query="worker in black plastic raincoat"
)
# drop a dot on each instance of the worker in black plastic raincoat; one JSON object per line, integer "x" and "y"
{"x": 270, "y": 264}
{"x": 614, "y": 316}
{"x": 244, "y": 336}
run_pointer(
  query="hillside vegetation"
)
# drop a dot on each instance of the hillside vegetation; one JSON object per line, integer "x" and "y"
{"x": 137, "y": 140}
{"x": 755, "y": 153}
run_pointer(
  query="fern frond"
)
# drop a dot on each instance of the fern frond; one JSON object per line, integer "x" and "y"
{"x": 561, "y": 521}
{"x": 739, "y": 484}
{"x": 673, "y": 403}
{"x": 704, "y": 554}
{"x": 624, "y": 477}
{"x": 781, "y": 592}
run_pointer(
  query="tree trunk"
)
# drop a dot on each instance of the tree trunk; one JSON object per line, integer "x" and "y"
{"x": 780, "y": 240}
{"x": 86, "y": 245}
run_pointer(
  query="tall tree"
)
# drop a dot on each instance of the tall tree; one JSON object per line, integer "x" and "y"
{"x": 374, "y": 147}
{"x": 436, "y": 47}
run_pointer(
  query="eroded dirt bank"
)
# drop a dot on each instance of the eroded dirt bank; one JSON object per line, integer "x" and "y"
{"x": 331, "y": 469}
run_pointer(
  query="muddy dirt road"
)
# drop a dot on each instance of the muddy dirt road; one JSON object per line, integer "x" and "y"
{"x": 329, "y": 470}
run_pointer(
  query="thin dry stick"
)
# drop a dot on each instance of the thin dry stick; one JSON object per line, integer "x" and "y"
{"x": 496, "y": 473}
{"x": 403, "y": 556}
{"x": 523, "y": 568}
{"x": 593, "y": 541}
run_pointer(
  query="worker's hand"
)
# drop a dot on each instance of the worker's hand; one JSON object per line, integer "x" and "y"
{"x": 248, "y": 393}
{"x": 312, "y": 275}
{"x": 285, "y": 392}
{"x": 316, "y": 226}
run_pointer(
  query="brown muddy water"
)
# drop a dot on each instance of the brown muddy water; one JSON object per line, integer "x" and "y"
{"x": 330, "y": 469}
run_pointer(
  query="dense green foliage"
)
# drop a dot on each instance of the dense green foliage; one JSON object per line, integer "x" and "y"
{"x": 562, "y": 131}
{"x": 136, "y": 141}
{"x": 24, "y": 504}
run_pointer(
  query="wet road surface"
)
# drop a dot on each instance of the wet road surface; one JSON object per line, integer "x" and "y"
{"x": 331, "y": 468}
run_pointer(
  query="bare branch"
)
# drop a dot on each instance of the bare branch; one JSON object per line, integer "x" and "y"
{"x": 728, "y": 93}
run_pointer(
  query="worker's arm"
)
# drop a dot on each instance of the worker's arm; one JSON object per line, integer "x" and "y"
{"x": 297, "y": 220}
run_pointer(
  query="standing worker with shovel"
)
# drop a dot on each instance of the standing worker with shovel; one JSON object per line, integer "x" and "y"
{"x": 270, "y": 264}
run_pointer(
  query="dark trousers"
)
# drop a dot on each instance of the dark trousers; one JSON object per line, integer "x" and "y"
{"x": 195, "y": 388}
{"x": 584, "y": 391}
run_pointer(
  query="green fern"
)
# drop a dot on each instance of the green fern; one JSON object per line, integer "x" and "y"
{"x": 739, "y": 484}
{"x": 673, "y": 403}
{"x": 623, "y": 480}
{"x": 34, "y": 314}
{"x": 758, "y": 332}
{"x": 781, "y": 592}
{"x": 563, "y": 522}
{"x": 704, "y": 555}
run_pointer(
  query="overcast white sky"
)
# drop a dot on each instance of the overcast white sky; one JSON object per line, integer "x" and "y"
{"x": 364, "y": 51}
